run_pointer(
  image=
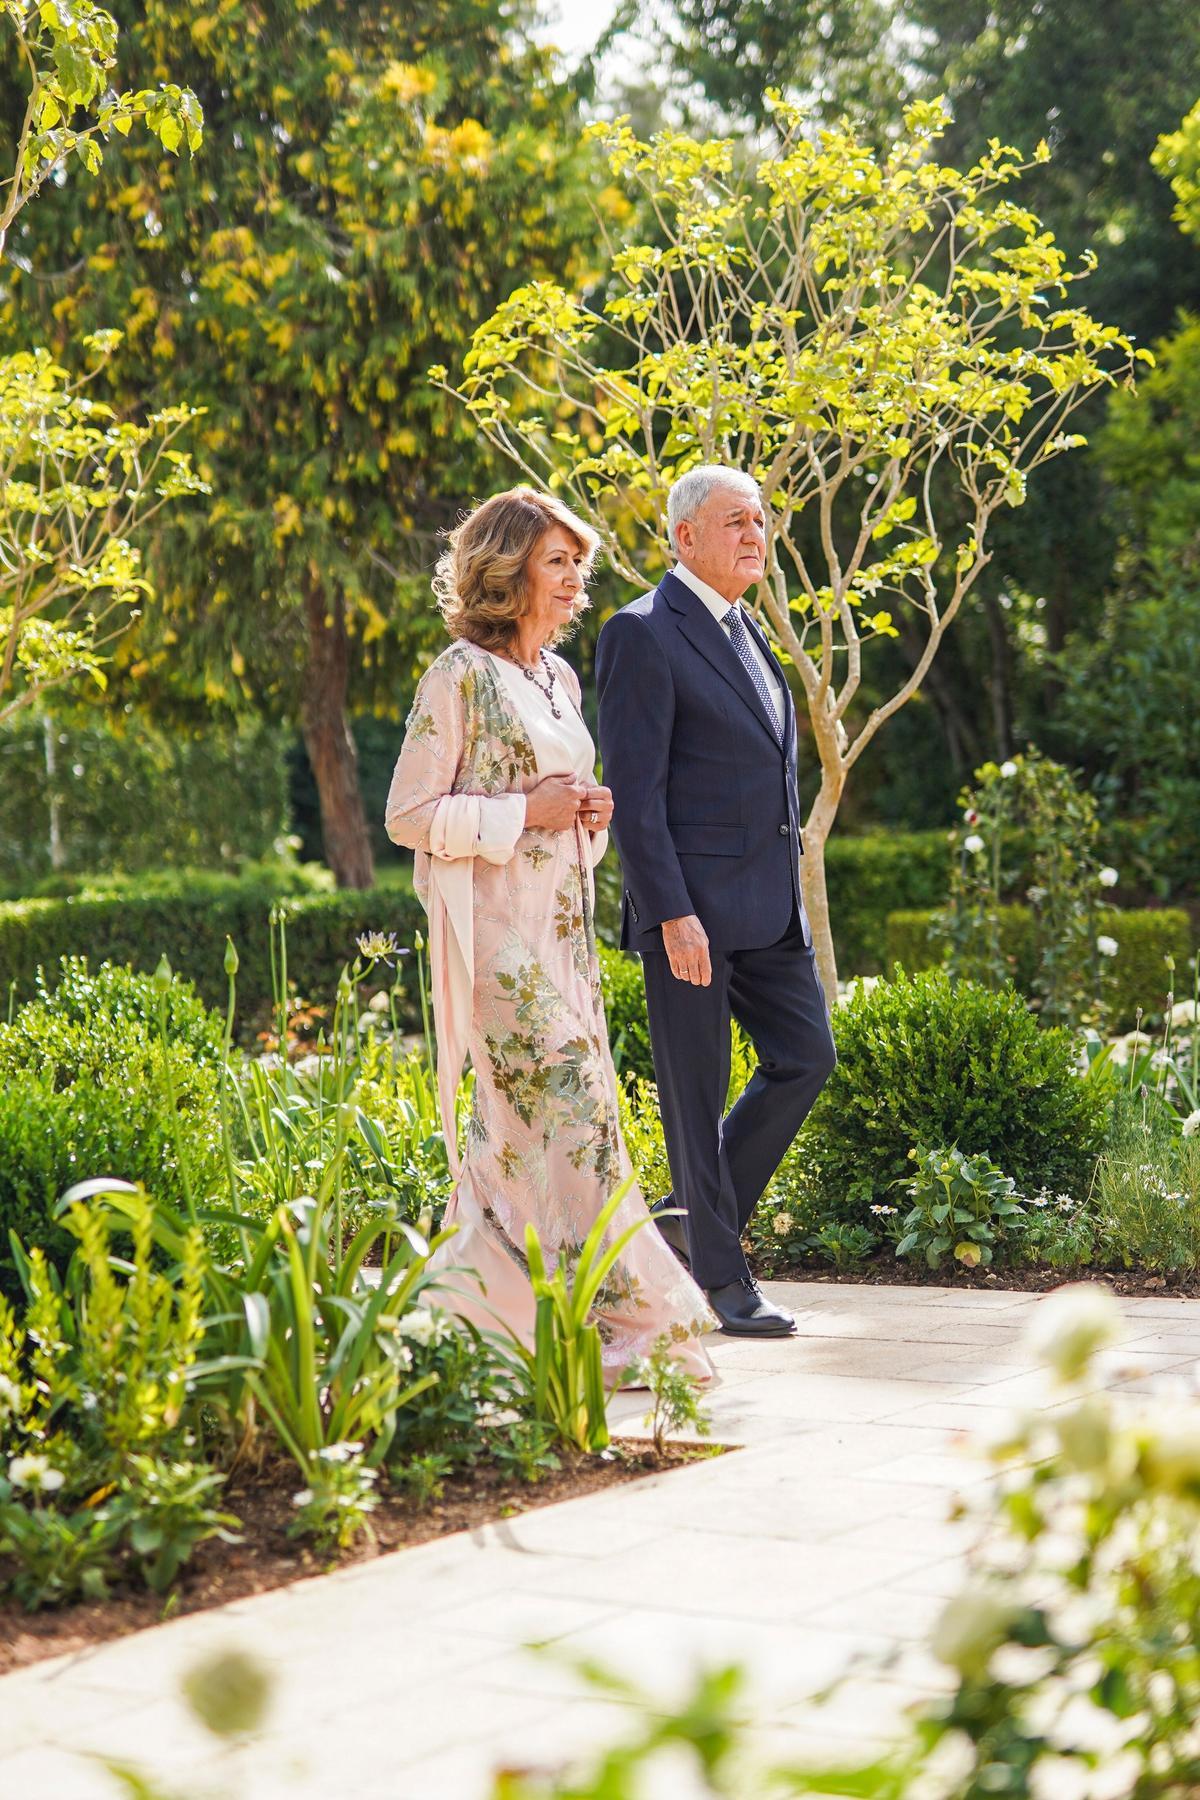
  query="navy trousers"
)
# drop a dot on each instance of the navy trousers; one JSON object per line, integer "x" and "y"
{"x": 721, "y": 1165}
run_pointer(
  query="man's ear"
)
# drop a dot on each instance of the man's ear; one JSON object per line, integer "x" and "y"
{"x": 684, "y": 537}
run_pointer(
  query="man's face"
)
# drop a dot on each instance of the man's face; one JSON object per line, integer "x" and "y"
{"x": 725, "y": 543}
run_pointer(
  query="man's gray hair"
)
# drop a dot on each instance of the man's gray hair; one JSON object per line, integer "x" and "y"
{"x": 690, "y": 492}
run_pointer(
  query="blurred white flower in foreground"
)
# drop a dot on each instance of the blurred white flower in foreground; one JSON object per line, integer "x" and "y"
{"x": 1071, "y": 1325}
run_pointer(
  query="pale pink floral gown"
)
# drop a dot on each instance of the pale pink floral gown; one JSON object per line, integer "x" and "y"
{"x": 517, "y": 986}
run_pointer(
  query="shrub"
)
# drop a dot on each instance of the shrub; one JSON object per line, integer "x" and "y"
{"x": 922, "y": 1059}
{"x": 1140, "y": 978}
{"x": 79, "y": 1099}
{"x": 80, "y": 1020}
{"x": 1147, "y": 1197}
{"x": 190, "y": 925}
{"x": 474, "y": 1412}
{"x": 1064, "y": 883}
{"x": 868, "y": 877}
{"x": 98, "y": 1478}
{"x": 960, "y": 1206}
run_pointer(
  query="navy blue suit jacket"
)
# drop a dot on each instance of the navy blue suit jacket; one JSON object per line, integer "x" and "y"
{"x": 706, "y": 814}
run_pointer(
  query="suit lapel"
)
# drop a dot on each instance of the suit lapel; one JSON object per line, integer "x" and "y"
{"x": 789, "y": 710}
{"x": 705, "y": 635}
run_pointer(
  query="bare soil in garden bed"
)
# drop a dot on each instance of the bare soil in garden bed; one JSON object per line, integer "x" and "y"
{"x": 268, "y": 1558}
{"x": 885, "y": 1271}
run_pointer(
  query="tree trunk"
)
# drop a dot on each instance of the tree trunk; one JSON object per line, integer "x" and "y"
{"x": 327, "y": 739}
{"x": 817, "y": 827}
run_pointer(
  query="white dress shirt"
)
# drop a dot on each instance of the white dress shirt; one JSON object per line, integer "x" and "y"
{"x": 721, "y": 608}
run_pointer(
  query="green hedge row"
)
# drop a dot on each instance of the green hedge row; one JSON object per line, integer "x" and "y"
{"x": 867, "y": 878}
{"x": 191, "y": 928}
{"x": 1141, "y": 978}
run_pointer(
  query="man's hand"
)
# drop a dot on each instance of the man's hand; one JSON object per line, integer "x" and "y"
{"x": 686, "y": 944}
{"x": 596, "y": 809}
{"x": 553, "y": 805}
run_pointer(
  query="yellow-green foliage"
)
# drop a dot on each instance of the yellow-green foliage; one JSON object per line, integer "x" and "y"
{"x": 373, "y": 180}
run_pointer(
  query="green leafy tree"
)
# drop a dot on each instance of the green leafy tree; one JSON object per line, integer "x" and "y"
{"x": 865, "y": 333}
{"x": 1177, "y": 156}
{"x": 375, "y": 179}
{"x": 1099, "y": 81}
{"x": 1127, "y": 711}
{"x": 77, "y": 483}
{"x": 830, "y": 56}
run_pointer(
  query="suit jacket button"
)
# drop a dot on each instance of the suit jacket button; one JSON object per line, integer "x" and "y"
{"x": 783, "y": 831}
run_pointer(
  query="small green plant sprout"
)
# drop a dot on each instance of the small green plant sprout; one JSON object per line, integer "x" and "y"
{"x": 675, "y": 1396}
{"x": 960, "y": 1206}
{"x": 844, "y": 1244}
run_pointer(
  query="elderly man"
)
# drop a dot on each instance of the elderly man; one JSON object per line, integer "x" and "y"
{"x": 698, "y": 736}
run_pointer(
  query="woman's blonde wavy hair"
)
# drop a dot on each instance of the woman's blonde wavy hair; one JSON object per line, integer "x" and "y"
{"x": 480, "y": 580}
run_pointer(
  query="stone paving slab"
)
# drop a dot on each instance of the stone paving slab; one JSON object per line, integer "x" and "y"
{"x": 824, "y": 1542}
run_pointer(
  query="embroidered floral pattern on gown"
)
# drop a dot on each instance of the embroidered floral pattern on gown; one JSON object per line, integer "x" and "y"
{"x": 543, "y": 1143}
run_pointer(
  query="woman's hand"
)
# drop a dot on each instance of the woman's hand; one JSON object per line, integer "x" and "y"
{"x": 596, "y": 809}
{"x": 553, "y": 805}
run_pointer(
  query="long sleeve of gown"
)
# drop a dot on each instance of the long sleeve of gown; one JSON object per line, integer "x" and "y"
{"x": 423, "y": 813}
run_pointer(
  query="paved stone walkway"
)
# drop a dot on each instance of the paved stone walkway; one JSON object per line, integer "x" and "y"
{"x": 826, "y": 1537}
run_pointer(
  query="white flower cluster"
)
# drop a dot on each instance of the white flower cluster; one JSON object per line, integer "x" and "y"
{"x": 35, "y": 1472}
{"x": 783, "y": 1224}
{"x": 1062, "y": 1203}
{"x": 884, "y": 1212}
{"x": 424, "y": 1325}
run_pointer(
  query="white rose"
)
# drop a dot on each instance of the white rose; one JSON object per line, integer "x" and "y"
{"x": 1107, "y": 946}
{"x": 1183, "y": 1013}
{"x": 973, "y": 844}
{"x": 1192, "y": 1123}
{"x": 1008, "y": 770}
{"x": 1071, "y": 1325}
{"x": 1108, "y": 877}
{"x": 782, "y": 1224}
{"x": 422, "y": 1325}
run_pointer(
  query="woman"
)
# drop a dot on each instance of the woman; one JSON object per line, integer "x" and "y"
{"x": 495, "y": 791}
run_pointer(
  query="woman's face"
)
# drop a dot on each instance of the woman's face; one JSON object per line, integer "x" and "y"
{"x": 553, "y": 582}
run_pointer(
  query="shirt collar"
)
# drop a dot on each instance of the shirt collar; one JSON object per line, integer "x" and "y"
{"x": 717, "y": 604}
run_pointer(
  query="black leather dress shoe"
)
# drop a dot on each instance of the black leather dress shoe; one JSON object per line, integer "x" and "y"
{"x": 672, "y": 1228}
{"x": 744, "y": 1311}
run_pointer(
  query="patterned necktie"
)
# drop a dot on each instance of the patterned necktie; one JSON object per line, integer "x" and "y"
{"x": 739, "y": 637}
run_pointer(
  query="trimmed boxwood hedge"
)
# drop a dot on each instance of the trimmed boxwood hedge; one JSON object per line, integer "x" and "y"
{"x": 1140, "y": 974}
{"x": 190, "y": 926}
{"x": 867, "y": 877}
